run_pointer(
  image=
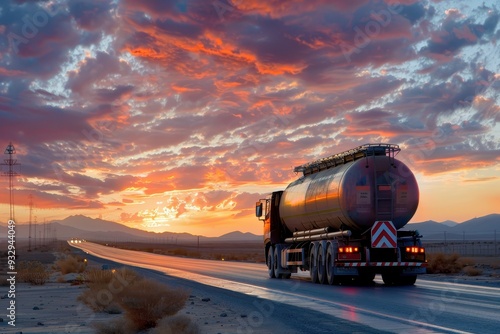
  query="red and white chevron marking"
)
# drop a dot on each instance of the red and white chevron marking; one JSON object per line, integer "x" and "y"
{"x": 384, "y": 235}
{"x": 381, "y": 264}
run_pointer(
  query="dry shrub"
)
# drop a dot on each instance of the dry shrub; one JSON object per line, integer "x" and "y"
{"x": 97, "y": 276}
{"x": 128, "y": 274}
{"x": 145, "y": 302}
{"x": 117, "y": 326}
{"x": 33, "y": 272}
{"x": 177, "y": 324}
{"x": 466, "y": 261}
{"x": 71, "y": 264}
{"x": 440, "y": 263}
{"x": 471, "y": 271}
{"x": 104, "y": 288}
{"x": 100, "y": 299}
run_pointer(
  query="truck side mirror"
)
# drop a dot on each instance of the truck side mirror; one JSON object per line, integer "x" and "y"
{"x": 258, "y": 209}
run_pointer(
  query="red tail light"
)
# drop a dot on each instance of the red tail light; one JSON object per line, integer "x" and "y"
{"x": 415, "y": 250}
{"x": 348, "y": 249}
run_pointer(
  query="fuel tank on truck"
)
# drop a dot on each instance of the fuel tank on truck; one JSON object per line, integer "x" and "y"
{"x": 350, "y": 191}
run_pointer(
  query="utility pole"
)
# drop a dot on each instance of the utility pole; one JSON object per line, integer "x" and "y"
{"x": 49, "y": 231}
{"x": 35, "y": 232}
{"x": 11, "y": 173}
{"x": 31, "y": 215}
{"x": 44, "y": 230}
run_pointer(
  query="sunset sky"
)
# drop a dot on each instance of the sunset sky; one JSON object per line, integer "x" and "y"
{"x": 179, "y": 115}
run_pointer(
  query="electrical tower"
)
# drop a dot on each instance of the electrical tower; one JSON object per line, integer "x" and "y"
{"x": 11, "y": 173}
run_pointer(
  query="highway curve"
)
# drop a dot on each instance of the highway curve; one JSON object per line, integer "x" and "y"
{"x": 427, "y": 307}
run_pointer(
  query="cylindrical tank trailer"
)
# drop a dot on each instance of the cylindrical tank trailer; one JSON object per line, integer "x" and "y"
{"x": 357, "y": 201}
{"x": 344, "y": 197}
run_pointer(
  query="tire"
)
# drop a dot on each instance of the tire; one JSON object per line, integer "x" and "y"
{"x": 365, "y": 278}
{"x": 408, "y": 280}
{"x": 270, "y": 261}
{"x": 329, "y": 266}
{"x": 390, "y": 278}
{"x": 313, "y": 265}
{"x": 397, "y": 279}
{"x": 321, "y": 267}
{"x": 276, "y": 263}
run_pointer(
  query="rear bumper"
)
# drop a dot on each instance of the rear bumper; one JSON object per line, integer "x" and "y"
{"x": 382, "y": 264}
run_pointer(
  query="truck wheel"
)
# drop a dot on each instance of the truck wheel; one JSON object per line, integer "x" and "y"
{"x": 397, "y": 279}
{"x": 270, "y": 261}
{"x": 390, "y": 279}
{"x": 365, "y": 278}
{"x": 313, "y": 265}
{"x": 408, "y": 280}
{"x": 330, "y": 261}
{"x": 276, "y": 262}
{"x": 321, "y": 267}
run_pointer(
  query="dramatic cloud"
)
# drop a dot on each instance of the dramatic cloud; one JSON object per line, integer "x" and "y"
{"x": 179, "y": 115}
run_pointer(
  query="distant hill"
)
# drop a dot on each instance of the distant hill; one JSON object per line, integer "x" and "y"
{"x": 84, "y": 227}
{"x": 237, "y": 235}
{"x": 480, "y": 228}
{"x": 85, "y": 223}
{"x": 428, "y": 226}
{"x": 90, "y": 224}
{"x": 490, "y": 222}
{"x": 449, "y": 223}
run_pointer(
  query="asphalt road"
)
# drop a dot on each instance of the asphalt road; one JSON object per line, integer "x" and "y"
{"x": 427, "y": 307}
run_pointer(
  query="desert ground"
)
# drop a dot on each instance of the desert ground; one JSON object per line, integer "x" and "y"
{"x": 54, "y": 306}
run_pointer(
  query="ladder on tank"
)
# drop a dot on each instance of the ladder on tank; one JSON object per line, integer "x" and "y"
{"x": 384, "y": 196}
{"x": 347, "y": 156}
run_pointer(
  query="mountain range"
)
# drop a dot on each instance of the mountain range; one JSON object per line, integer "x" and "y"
{"x": 83, "y": 227}
{"x": 480, "y": 228}
{"x": 79, "y": 226}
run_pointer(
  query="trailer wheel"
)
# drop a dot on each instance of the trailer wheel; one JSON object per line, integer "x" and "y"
{"x": 321, "y": 267}
{"x": 330, "y": 262}
{"x": 408, "y": 280}
{"x": 365, "y": 278}
{"x": 313, "y": 265}
{"x": 397, "y": 279}
{"x": 270, "y": 261}
{"x": 390, "y": 278}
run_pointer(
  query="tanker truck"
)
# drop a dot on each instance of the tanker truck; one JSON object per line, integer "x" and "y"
{"x": 341, "y": 220}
